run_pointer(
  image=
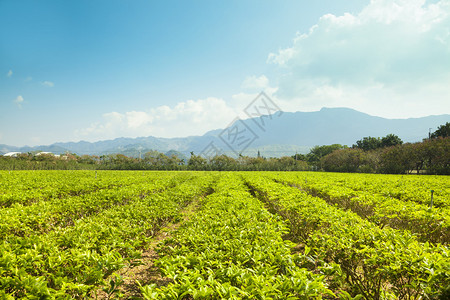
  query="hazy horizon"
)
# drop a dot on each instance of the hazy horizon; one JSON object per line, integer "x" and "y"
{"x": 214, "y": 129}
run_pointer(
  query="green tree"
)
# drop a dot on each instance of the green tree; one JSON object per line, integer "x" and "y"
{"x": 391, "y": 140}
{"x": 151, "y": 155}
{"x": 196, "y": 162}
{"x": 222, "y": 163}
{"x": 350, "y": 160}
{"x": 436, "y": 155}
{"x": 317, "y": 152}
{"x": 400, "y": 159}
{"x": 251, "y": 163}
{"x": 288, "y": 163}
{"x": 442, "y": 131}
{"x": 299, "y": 157}
{"x": 368, "y": 143}
{"x": 87, "y": 159}
{"x": 175, "y": 162}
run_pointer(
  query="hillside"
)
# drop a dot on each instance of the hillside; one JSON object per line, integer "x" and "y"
{"x": 285, "y": 134}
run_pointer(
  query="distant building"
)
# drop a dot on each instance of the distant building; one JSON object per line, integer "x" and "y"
{"x": 43, "y": 153}
{"x": 12, "y": 154}
{"x": 50, "y": 154}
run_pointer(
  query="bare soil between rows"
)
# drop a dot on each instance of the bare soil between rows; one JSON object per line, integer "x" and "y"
{"x": 146, "y": 272}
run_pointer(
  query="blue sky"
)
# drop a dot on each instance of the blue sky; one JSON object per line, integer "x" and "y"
{"x": 95, "y": 70}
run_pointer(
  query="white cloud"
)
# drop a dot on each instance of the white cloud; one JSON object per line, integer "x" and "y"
{"x": 255, "y": 83}
{"x": 48, "y": 83}
{"x": 19, "y": 100}
{"x": 251, "y": 87}
{"x": 241, "y": 100}
{"x": 192, "y": 117}
{"x": 9, "y": 74}
{"x": 392, "y": 59}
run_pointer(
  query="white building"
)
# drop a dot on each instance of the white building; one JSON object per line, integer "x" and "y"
{"x": 12, "y": 154}
{"x": 42, "y": 153}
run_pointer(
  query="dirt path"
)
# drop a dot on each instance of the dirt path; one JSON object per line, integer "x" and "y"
{"x": 146, "y": 272}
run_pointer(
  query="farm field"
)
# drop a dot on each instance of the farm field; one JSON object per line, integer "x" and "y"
{"x": 223, "y": 235}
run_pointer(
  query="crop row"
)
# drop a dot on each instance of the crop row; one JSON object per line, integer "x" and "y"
{"x": 45, "y": 216}
{"x": 429, "y": 224}
{"x": 73, "y": 261}
{"x": 362, "y": 258}
{"x": 233, "y": 249}
{"x": 29, "y": 187}
{"x": 406, "y": 188}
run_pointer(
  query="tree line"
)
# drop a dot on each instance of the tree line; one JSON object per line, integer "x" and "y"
{"x": 391, "y": 156}
{"x": 369, "y": 155}
{"x": 152, "y": 160}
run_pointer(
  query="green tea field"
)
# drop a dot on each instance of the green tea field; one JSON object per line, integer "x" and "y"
{"x": 223, "y": 235}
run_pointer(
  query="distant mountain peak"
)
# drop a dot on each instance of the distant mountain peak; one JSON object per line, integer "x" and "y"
{"x": 330, "y": 125}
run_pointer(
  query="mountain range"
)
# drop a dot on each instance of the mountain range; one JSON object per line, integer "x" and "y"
{"x": 282, "y": 133}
